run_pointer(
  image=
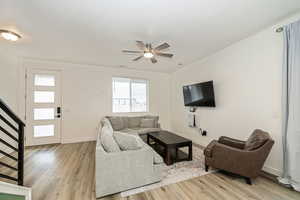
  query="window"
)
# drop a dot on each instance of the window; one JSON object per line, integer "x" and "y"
{"x": 129, "y": 95}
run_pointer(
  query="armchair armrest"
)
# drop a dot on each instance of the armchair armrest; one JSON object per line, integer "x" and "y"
{"x": 208, "y": 150}
{"x": 232, "y": 142}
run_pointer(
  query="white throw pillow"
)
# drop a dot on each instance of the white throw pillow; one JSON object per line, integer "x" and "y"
{"x": 147, "y": 123}
{"x": 107, "y": 140}
{"x": 127, "y": 142}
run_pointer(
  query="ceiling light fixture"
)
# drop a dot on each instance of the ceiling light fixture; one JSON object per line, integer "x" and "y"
{"x": 8, "y": 35}
{"x": 148, "y": 55}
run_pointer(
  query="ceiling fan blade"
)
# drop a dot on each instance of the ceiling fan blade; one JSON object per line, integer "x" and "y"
{"x": 128, "y": 51}
{"x": 141, "y": 45}
{"x": 168, "y": 55}
{"x": 162, "y": 46}
{"x": 153, "y": 60}
{"x": 138, "y": 58}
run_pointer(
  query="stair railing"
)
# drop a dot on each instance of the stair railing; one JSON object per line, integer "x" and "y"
{"x": 19, "y": 129}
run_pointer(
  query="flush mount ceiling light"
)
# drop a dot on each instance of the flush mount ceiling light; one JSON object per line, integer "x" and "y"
{"x": 8, "y": 35}
{"x": 148, "y": 55}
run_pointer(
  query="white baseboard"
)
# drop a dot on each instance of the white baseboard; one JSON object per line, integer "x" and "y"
{"x": 272, "y": 170}
{"x": 76, "y": 140}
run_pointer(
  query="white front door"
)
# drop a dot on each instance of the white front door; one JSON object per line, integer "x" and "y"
{"x": 43, "y": 109}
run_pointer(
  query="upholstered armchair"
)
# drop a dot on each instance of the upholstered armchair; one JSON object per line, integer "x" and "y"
{"x": 245, "y": 158}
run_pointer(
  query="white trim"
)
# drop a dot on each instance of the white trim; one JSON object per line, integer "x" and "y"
{"x": 8, "y": 188}
{"x": 272, "y": 170}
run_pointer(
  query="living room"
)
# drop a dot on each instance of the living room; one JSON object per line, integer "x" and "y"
{"x": 115, "y": 64}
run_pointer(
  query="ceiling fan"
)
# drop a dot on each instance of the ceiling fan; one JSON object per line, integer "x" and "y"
{"x": 147, "y": 51}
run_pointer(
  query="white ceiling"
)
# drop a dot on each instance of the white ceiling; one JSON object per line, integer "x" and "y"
{"x": 95, "y": 31}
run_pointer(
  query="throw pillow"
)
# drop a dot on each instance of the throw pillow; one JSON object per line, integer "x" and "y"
{"x": 156, "y": 118}
{"x": 127, "y": 142}
{"x": 256, "y": 140}
{"x": 147, "y": 123}
{"x": 134, "y": 122}
{"x": 107, "y": 140}
{"x": 116, "y": 123}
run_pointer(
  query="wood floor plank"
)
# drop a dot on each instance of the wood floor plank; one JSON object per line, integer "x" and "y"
{"x": 67, "y": 172}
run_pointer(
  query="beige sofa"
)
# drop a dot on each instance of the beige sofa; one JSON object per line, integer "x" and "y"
{"x": 123, "y": 170}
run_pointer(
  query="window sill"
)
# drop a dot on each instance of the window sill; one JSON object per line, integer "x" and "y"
{"x": 130, "y": 113}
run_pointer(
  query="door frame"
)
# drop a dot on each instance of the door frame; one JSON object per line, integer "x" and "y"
{"x": 27, "y": 90}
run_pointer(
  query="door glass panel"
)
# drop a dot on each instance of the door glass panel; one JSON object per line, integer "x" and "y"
{"x": 43, "y": 130}
{"x": 43, "y": 113}
{"x": 44, "y": 80}
{"x": 43, "y": 97}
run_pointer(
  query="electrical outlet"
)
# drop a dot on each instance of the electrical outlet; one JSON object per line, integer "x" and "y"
{"x": 204, "y": 133}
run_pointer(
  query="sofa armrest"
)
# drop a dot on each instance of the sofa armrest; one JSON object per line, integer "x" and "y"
{"x": 121, "y": 170}
{"x": 232, "y": 142}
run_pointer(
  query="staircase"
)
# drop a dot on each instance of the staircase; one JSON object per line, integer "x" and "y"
{"x": 12, "y": 139}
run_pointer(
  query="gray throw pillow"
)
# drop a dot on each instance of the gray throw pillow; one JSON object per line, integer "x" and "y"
{"x": 147, "y": 123}
{"x": 107, "y": 140}
{"x": 134, "y": 122}
{"x": 116, "y": 123}
{"x": 156, "y": 118}
{"x": 127, "y": 142}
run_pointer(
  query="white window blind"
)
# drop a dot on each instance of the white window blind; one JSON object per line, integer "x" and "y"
{"x": 129, "y": 95}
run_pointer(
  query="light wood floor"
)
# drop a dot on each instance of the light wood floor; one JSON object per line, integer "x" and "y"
{"x": 66, "y": 172}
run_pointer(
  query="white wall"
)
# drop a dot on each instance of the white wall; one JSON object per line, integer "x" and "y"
{"x": 247, "y": 78}
{"x": 8, "y": 91}
{"x": 87, "y": 93}
{"x": 9, "y": 65}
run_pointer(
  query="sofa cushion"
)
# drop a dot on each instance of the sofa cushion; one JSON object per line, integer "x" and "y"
{"x": 148, "y": 130}
{"x": 134, "y": 122}
{"x": 127, "y": 142}
{"x": 130, "y": 131}
{"x": 147, "y": 123}
{"x": 107, "y": 140}
{"x": 125, "y": 122}
{"x": 156, "y": 118}
{"x": 257, "y": 139}
{"x": 116, "y": 122}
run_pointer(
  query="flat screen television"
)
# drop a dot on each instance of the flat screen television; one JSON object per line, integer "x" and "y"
{"x": 199, "y": 95}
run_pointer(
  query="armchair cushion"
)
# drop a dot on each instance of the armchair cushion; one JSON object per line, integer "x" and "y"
{"x": 256, "y": 140}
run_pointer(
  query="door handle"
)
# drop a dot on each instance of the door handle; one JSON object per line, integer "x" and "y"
{"x": 58, "y": 111}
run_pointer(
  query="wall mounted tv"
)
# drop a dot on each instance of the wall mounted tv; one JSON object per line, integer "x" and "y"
{"x": 199, "y": 95}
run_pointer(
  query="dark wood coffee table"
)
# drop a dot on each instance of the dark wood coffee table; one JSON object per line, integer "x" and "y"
{"x": 168, "y": 145}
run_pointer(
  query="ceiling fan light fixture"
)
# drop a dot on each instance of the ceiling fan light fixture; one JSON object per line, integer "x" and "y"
{"x": 8, "y": 35}
{"x": 148, "y": 55}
